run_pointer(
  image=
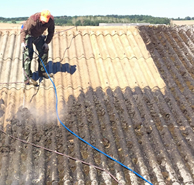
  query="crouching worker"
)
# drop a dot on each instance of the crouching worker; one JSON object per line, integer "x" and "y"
{"x": 31, "y": 33}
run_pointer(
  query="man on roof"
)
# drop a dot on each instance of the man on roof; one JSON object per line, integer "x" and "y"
{"x": 31, "y": 33}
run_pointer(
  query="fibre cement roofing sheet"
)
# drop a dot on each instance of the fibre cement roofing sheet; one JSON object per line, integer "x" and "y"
{"x": 126, "y": 90}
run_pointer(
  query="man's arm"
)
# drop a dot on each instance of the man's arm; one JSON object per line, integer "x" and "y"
{"x": 27, "y": 27}
{"x": 51, "y": 30}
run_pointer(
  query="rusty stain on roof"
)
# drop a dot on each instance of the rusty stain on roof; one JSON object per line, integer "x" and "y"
{"x": 129, "y": 91}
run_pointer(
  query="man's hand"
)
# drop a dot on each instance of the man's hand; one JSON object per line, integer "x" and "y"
{"x": 23, "y": 45}
{"x": 45, "y": 47}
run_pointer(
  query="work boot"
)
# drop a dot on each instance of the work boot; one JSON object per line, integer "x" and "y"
{"x": 30, "y": 81}
{"x": 45, "y": 75}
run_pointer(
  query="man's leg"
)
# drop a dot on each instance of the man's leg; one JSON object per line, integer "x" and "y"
{"x": 28, "y": 53}
{"x": 43, "y": 54}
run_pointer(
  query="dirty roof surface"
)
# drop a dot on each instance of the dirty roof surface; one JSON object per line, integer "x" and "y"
{"x": 129, "y": 91}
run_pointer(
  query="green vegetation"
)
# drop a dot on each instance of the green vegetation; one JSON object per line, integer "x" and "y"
{"x": 186, "y": 18}
{"x": 15, "y": 19}
{"x": 95, "y": 20}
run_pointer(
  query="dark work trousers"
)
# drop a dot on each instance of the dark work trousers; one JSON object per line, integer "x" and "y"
{"x": 28, "y": 54}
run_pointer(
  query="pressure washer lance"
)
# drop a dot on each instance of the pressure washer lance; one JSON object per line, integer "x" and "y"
{"x": 24, "y": 89}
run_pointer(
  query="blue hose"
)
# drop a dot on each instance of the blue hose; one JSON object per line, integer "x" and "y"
{"x": 80, "y": 137}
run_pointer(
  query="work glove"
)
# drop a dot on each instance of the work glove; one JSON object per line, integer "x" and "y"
{"x": 23, "y": 45}
{"x": 45, "y": 47}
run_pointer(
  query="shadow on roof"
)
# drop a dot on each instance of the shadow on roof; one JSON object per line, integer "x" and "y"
{"x": 55, "y": 68}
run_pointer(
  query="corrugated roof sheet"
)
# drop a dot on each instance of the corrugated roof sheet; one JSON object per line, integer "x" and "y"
{"x": 126, "y": 90}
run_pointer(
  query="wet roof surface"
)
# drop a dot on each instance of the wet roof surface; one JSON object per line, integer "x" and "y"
{"x": 129, "y": 91}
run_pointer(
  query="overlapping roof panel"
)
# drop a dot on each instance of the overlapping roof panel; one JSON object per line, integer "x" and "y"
{"x": 126, "y": 90}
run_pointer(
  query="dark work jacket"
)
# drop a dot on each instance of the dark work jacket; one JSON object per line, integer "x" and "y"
{"x": 33, "y": 26}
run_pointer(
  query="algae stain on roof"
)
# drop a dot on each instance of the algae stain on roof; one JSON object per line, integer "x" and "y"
{"x": 126, "y": 90}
